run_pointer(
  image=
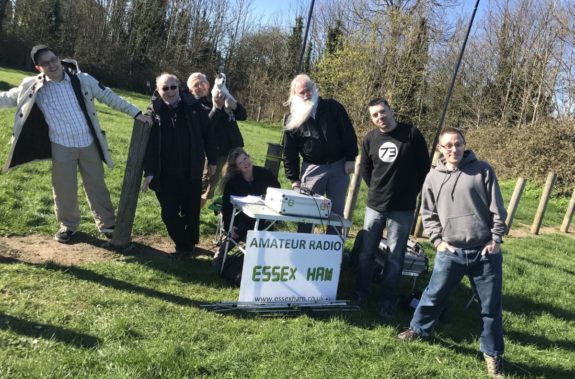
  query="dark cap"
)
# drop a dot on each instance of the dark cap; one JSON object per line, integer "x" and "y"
{"x": 36, "y": 50}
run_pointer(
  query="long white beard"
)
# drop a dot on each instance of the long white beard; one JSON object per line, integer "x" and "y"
{"x": 301, "y": 110}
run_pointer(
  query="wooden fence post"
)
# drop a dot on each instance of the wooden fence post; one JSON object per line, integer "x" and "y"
{"x": 514, "y": 202}
{"x": 543, "y": 202}
{"x": 569, "y": 214}
{"x": 259, "y": 113}
{"x": 274, "y": 158}
{"x": 418, "y": 230}
{"x": 272, "y": 117}
{"x": 351, "y": 199}
{"x": 131, "y": 185}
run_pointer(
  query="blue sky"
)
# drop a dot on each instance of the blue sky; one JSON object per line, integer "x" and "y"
{"x": 271, "y": 7}
{"x": 273, "y": 10}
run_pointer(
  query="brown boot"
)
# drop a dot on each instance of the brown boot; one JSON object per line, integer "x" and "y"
{"x": 494, "y": 366}
{"x": 409, "y": 335}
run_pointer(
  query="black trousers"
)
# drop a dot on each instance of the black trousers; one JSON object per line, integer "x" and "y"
{"x": 180, "y": 202}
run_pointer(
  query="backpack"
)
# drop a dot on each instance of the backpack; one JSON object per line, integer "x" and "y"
{"x": 233, "y": 266}
{"x": 415, "y": 260}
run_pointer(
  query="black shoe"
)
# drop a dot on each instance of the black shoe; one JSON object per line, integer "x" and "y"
{"x": 386, "y": 313}
{"x": 358, "y": 300}
{"x": 217, "y": 262}
{"x": 64, "y": 235}
{"x": 387, "y": 310}
{"x": 182, "y": 254}
{"x": 108, "y": 232}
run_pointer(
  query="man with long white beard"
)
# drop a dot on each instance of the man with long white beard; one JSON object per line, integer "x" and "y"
{"x": 321, "y": 132}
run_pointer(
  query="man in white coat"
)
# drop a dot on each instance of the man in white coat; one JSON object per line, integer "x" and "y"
{"x": 56, "y": 119}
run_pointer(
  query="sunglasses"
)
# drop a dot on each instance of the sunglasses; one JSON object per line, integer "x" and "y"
{"x": 52, "y": 60}
{"x": 165, "y": 88}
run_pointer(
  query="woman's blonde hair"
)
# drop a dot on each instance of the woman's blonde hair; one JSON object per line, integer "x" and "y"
{"x": 231, "y": 168}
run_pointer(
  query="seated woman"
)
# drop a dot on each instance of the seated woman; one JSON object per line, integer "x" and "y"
{"x": 241, "y": 179}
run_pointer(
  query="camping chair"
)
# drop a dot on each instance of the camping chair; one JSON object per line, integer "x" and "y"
{"x": 216, "y": 207}
{"x": 474, "y": 297}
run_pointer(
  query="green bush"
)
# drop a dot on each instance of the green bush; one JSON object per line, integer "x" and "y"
{"x": 529, "y": 152}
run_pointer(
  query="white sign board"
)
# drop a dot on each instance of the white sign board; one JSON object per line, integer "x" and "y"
{"x": 290, "y": 267}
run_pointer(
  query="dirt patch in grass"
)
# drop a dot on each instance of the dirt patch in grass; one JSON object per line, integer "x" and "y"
{"x": 38, "y": 249}
{"x": 525, "y": 231}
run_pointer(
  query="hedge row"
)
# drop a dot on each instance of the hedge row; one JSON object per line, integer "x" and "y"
{"x": 529, "y": 152}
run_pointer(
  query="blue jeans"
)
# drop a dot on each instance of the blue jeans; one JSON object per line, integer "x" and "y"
{"x": 485, "y": 275}
{"x": 398, "y": 227}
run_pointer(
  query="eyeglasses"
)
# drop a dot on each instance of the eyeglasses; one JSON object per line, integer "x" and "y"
{"x": 165, "y": 88}
{"x": 449, "y": 146}
{"x": 53, "y": 60}
{"x": 199, "y": 83}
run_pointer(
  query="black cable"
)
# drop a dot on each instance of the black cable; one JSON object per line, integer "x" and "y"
{"x": 340, "y": 218}
{"x": 308, "y": 192}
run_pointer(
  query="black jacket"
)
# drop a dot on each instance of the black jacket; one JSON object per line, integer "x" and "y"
{"x": 237, "y": 186}
{"x": 327, "y": 139}
{"x": 226, "y": 131}
{"x": 201, "y": 139}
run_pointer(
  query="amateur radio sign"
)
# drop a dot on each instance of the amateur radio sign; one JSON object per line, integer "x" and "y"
{"x": 290, "y": 267}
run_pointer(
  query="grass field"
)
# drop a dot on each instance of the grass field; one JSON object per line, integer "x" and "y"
{"x": 136, "y": 316}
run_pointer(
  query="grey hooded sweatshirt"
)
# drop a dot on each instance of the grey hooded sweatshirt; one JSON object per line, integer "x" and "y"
{"x": 463, "y": 207}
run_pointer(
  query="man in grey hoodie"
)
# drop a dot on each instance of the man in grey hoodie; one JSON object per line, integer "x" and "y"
{"x": 464, "y": 216}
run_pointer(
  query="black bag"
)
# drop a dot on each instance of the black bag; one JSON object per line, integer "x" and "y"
{"x": 233, "y": 266}
{"x": 415, "y": 260}
{"x": 351, "y": 259}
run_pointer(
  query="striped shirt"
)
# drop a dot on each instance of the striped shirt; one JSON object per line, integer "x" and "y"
{"x": 67, "y": 124}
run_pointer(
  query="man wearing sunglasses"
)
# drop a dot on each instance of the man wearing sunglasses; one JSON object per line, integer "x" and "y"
{"x": 180, "y": 141}
{"x": 463, "y": 214}
{"x": 56, "y": 119}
